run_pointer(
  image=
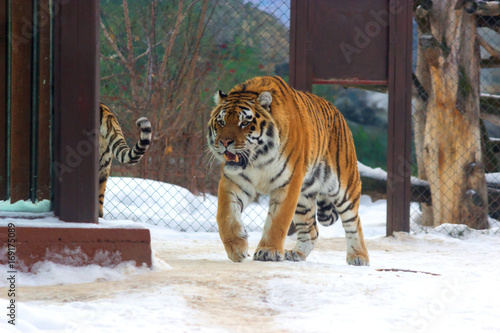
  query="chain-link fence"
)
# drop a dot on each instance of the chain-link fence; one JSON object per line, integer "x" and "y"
{"x": 455, "y": 111}
{"x": 166, "y": 59}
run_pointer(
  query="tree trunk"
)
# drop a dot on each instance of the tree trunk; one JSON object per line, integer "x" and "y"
{"x": 447, "y": 133}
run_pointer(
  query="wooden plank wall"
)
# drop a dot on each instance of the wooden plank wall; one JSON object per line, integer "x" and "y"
{"x": 20, "y": 96}
{"x": 25, "y": 122}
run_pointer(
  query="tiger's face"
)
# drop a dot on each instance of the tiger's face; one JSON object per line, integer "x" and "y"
{"x": 241, "y": 129}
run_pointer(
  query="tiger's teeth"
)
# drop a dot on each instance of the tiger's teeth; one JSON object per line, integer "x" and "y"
{"x": 230, "y": 157}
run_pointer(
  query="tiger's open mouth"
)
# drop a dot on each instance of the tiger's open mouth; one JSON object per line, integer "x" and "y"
{"x": 235, "y": 159}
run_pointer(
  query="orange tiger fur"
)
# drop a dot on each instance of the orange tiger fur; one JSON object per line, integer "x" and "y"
{"x": 112, "y": 143}
{"x": 296, "y": 147}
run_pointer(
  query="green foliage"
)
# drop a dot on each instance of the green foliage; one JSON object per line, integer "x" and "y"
{"x": 367, "y": 121}
{"x": 371, "y": 145}
{"x": 237, "y": 65}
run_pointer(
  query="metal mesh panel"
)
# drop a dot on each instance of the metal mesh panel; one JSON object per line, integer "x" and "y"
{"x": 165, "y": 60}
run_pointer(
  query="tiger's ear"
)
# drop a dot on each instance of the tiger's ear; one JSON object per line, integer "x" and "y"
{"x": 265, "y": 99}
{"x": 219, "y": 96}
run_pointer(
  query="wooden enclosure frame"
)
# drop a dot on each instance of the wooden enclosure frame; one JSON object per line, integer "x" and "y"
{"x": 390, "y": 49}
{"x": 49, "y": 139}
{"x": 76, "y": 101}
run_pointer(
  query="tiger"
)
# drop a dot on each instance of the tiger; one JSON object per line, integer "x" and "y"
{"x": 112, "y": 143}
{"x": 296, "y": 147}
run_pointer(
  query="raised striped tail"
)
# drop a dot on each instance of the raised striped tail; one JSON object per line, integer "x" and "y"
{"x": 124, "y": 154}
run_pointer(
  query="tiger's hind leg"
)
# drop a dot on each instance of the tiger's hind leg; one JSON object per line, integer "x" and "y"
{"x": 357, "y": 254}
{"x": 102, "y": 189}
{"x": 103, "y": 179}
{"x": 327, "y": 213}
{"x": 307, "y": 229}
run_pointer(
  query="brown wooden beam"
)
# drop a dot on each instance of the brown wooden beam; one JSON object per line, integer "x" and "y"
{"x": 489, "y": 62}
{"x": 3, "y": 100}
{"x": 300, "y": 73}
{"x": 76, "y": 84}
{"x": 492, "y": 22}
{"x": 483, "y": 8}
{"x": 44, "y": 105}
{"x": 399, "y": 122}
{"x": 20, "y": 94}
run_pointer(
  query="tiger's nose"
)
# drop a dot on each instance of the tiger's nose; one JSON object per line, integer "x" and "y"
{"x": 226, "y": 142}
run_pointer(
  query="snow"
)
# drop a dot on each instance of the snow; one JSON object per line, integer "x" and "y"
{"x": 493, "y": 177}
{"x": 24, "y": 206}
{"x": 193, "y": 287}
{"x": 380, "y": 174}
{"x": 160, "y": 203}
{"x": 48, "y": 220}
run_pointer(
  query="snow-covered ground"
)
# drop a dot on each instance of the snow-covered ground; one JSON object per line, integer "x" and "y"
{"x": 429, "y": 282}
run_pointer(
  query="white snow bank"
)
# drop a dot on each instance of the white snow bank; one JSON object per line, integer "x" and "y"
{"x": 170, "y": 205}
{"x": 48, "y": 220}
{"x": 25, "y": 206}
{"x": 381, "y": 174}
{"x": 454, "y": 230}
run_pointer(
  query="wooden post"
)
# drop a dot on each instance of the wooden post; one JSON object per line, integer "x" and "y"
{"x": 3, "y": 100}
{"x": 20, "y": 96}
{"x": 362, "y": 43}
{"x": 44, "y": 101}
{"x": 76, "y": 52}
{"x": 399, "y": 124}
{"x": 300, "y": 62}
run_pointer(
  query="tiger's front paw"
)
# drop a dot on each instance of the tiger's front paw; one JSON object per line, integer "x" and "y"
{"x": 268, "y": 254}
{"x": 236, "y": 249}
{"x": 294, "y": 255}
{"x": 358, "y": 259}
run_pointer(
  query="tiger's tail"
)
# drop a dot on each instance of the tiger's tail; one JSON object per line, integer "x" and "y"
{"x": 121, "y": 150}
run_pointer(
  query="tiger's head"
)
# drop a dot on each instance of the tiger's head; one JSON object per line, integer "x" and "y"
{"x": 241, "y": 130}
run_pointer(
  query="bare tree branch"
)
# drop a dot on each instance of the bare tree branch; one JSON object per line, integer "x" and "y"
{"x": 490, "y": 108}
{"x": 130, "y": 58}
{"x": 488, "y": 47}
{"x": 112, "y": 43}
{"x": 482, "y": 8}
{"x": 490, "y": 62}
{"x": 173, "y": 36}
